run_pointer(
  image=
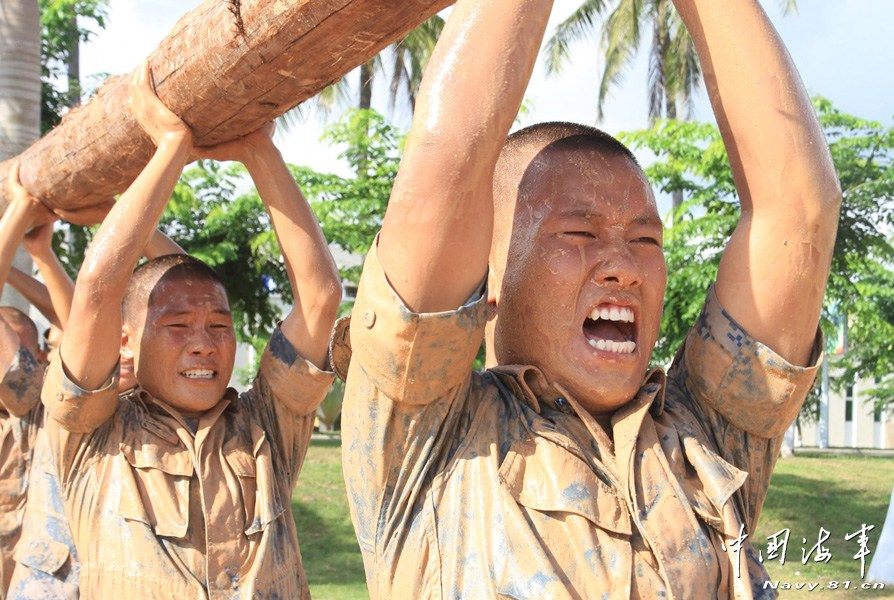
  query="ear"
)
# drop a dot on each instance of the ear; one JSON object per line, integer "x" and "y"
{"x": 126, "y": 351}
{"x": 492, "y": 294}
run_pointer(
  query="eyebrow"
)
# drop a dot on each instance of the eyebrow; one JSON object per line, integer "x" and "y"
{"x": 180, "y": 313}
{"x": 588, "y": 214}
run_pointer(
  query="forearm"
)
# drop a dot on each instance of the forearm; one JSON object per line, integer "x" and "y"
{"x": 59, "y": 286}
{"x": 109, "y": 262}
{"x": 437, "y": 231}
{"x": 779, "y": 255}
{"x": 777, "y": 148}
{"x": 13, "y": 225}
{"x": 36, "y": 293}
{"x": 312, "y": 272}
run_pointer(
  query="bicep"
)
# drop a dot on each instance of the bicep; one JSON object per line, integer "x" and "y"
{"x": 436, "y": 235}
{"x": 91, "y": 344}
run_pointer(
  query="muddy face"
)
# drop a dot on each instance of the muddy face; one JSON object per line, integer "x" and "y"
{"x": 184, "y": 352}
{"x": 583, "y": 286}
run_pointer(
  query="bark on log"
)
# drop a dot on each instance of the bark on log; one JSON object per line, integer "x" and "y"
{"x": 226, "y": 68}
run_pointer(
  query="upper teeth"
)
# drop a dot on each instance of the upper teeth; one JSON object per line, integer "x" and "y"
{"x": 613, "y": 313}
{"x": 199, "y": 374}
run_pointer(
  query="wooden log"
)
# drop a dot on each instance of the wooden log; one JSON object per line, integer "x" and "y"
{"x": 226, "y": 68}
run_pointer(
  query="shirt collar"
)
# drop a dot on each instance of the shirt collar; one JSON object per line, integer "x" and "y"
{"x": 535, "y": 389}
{"x": 206, "y": 420}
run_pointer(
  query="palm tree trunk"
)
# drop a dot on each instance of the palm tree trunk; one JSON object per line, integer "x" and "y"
{"x": 19, "y": 97}
{"x": 74, "y": 63}
{"x": 366, "y": 86}
{"x": 676, "y": 195}
{"x": 366, "y": 90}
{"x": 226, "y": 68}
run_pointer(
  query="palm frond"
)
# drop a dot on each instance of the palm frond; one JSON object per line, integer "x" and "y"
{"x": 580, "y": 25}
{"x": 620, "y": 41}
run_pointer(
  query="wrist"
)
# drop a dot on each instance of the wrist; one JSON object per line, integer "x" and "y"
{"x": 257, "y": 155}
{"x": 175, "y": 140}
{"x": 43, "y": 256}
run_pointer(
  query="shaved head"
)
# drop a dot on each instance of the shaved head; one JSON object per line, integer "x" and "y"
{"x": 24, "y": 328}
{"x": 526, "y": 154}
{"x": 147, "y": 276}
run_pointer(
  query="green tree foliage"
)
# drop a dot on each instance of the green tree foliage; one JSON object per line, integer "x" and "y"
{"x": 350, "y": 209}
{"x": 691, "y": 158}
{"x": 63, "y": 28}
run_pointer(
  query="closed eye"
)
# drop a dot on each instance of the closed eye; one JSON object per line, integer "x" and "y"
{"x": 578, "y": 234}
{"x": 648, "y": 240}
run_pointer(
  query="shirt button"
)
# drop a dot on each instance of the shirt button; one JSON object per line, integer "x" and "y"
{"x": 563, "y": 405}
{"x": 369, "y": 318}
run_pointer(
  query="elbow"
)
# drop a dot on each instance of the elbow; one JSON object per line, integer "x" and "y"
{"x": 94, "y": 292}
{"x": 330, "y": 297}
{"x": 321, "y": 301}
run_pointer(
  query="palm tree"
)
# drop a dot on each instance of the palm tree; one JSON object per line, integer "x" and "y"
{"x": 408, "y": 57}
{"x": 19, "y": 75}
{"x": 19, "y": 94}
{"x": 674, "y": 69}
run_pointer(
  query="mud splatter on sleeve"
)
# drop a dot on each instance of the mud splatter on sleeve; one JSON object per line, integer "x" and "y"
{"x": 743, "y": 394}
{"x": 20, "y": 386}
{"x": 74, "y": 408}
{"x": 285, "y": 396}
{"x": 407, "y": 386}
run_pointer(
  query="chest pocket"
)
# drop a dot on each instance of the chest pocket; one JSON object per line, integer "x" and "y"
{"x": 545, "y": 477}
{"x": 44, "y": 555}
{"x": 554, "y": 490}
{"x": 155, "y": 482}
{"x": 257, "y": 482}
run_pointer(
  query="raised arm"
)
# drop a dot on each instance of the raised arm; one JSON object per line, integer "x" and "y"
{"x": 95, "y": 321}
{"x": 34, "y": 292}
{"x": 159, "y": 244}
{"x": 39, "y": 244}
{"x": 312, "y": 272}
{"x": 22, "y": 213}
{"x": 437, "y": 231}
{"x": 773, "y": 273}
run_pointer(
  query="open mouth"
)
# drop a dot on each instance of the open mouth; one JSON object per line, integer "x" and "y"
{"x": 611, "y": 328}
{"x": 199, "y": 374}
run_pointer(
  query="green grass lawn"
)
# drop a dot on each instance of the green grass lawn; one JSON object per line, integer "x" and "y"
{"x": 839, "y": 494}
{"x": 836, "y": 493}
{"x": 329, "y": 549}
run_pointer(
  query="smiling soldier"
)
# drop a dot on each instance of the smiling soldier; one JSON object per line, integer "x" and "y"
{"x": 180, "y": 488}
{"x": 568, "y": 469}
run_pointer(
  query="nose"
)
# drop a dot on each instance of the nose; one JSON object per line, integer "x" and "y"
{"x": 616, "y": 266}
{"x": 201, "y": 343}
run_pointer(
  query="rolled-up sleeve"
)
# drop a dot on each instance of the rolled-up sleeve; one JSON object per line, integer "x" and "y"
{"x": 297, "y": 384}
{"x": 412, "y": 357}
{"x": 75, "y": 409}
{"x": 745, "y": 381}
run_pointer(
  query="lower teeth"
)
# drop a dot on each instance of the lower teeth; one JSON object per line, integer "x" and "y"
{"x": 617, "y": 347}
